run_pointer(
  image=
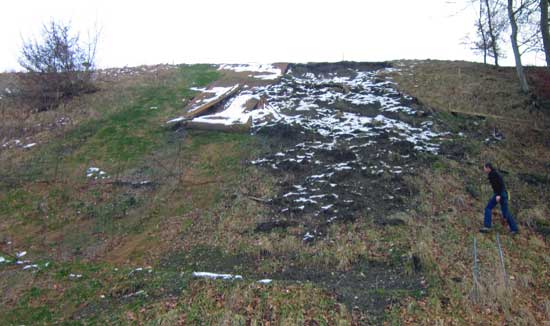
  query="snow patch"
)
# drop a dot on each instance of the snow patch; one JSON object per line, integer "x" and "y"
{"x": 96, "y": 173}
{"x": 30, "y": 266}
{"x": 217, "y": 276}
{"x": 308, "y": 236}
{"x": 268, "y": 71}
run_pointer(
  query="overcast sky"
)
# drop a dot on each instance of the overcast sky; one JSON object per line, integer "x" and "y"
{"x": 239, "y": 31}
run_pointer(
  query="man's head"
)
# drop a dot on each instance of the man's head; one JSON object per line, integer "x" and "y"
{"x": 488, "y": 167}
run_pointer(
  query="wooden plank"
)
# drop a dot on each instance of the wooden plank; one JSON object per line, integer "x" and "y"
{"x": 194, "y": 112}
{"x": 236, "y": 127}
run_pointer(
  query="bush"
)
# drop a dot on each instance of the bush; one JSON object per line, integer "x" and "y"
{"x": 57, "y": 68}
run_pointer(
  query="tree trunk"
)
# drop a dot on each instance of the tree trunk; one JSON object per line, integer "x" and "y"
{"x": 515, "y": 47}
{"x": 482, "y": 31}
{"x": 491, "y": 32}
{"x": 544, "y": 29}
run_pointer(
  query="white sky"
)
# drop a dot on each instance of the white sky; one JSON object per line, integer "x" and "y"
{"x": 238, "y": 31}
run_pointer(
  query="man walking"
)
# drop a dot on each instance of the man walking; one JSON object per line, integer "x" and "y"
{"x": 500, "y": 196}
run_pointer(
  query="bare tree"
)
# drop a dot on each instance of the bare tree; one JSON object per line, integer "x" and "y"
{"x": 490, "y": 25}
{"x": 59, "y": 66}
{"x": 520, "y": 14}
{"x": 481, "y": 44}
{"x": 492, "y": 32}
{"x": 545, "y": 33}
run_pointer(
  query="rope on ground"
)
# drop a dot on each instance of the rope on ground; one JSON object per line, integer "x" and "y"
{"x": 501, "y": 255}
{"x": 475, "y": 274}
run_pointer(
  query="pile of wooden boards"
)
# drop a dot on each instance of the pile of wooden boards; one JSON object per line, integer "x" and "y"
{"x": 209, "y": 106}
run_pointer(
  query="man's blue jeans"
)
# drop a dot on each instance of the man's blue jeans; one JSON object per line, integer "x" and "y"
{"x": 505, "y": 212}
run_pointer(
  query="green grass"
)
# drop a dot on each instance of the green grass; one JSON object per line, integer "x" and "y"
{"x": 136, "y": 130}
{"x": 127, "y": 130}
{"x": 18, "y": 204}
{"x": 120, "y": 140}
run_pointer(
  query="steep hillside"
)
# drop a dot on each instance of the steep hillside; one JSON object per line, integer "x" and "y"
{"x": 353, "y": 197}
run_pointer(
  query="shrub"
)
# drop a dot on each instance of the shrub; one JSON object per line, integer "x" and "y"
{"x": 58, "y": 67}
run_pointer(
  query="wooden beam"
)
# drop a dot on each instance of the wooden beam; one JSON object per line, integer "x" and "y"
{"x": 237, "y": 127}
{"x": 496, "y": 117}
{"x": 194, "y": 112}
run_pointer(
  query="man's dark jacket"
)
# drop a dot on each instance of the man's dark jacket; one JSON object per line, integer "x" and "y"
{"x": 497, "y": 183}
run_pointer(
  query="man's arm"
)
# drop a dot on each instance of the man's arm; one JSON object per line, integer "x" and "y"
{"x": 499, "y": 186}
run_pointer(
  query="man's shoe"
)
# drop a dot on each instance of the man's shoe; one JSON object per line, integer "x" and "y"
{"x": 485, "y": 230}
{"x": 514, "y": 233}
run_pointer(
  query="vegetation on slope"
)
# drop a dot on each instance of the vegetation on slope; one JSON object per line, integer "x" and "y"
{"x": 178, "y": 201}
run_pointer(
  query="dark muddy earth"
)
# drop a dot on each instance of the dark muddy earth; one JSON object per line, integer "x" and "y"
{"x": 369, "y": 286}
{"x": 343, "y": 140}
